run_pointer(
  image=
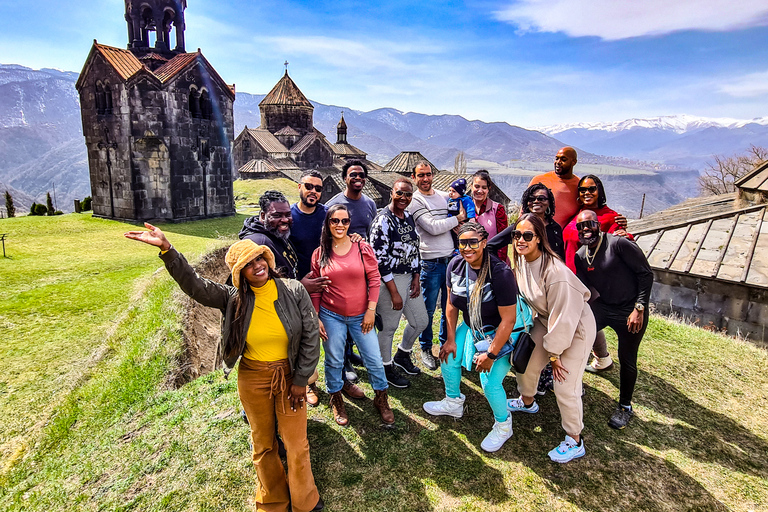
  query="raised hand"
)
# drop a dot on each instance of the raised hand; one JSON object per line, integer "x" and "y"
{"x": 152, "y": 237}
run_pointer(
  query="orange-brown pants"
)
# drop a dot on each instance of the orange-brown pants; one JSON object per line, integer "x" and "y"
{"x": 264, "y": 388}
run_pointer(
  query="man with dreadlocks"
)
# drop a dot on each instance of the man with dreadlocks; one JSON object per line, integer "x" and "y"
{"x": 484, "y": 289}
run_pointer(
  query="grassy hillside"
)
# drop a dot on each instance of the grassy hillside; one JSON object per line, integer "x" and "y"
{"x": 91, "y": 327}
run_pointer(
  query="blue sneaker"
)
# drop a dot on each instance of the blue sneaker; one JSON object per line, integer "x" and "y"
{"x": 517, "y": 405}
{"x": 567, "y": 451}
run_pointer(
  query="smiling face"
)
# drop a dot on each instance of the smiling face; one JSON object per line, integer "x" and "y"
{"x": 423, "y": 178}
{"x": 339, "y": 225}
{"x": 471, "y": 248}
{"x": 564, "y": 162}
{"x": 355, "y": 179}
{"x": 310, "y": 197}
{"x": 538, "y": 203}
{"x": 588, "y": 227}
{"x": 588, "y": 193}
{"x": 401, "y": 194}
{"x": 479, "y": 190}
{"x": 278, "y": 219}
{"x": 256, "y": 272}
{"x": 528, "y": 249}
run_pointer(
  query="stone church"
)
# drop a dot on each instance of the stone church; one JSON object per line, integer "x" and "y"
{"x": 158, "y": 122}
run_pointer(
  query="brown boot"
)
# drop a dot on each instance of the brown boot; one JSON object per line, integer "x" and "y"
{"x": 381, "y": 403}
{"x": 312, "y": 398}
{"x": 352, "y": 390}
{"x": 339, "y": 411}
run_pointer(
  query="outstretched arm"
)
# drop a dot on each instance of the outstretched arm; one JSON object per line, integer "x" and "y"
{"x": 152, "y": 237}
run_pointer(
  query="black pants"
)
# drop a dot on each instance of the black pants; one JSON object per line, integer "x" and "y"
{"x": 607, "y": 315}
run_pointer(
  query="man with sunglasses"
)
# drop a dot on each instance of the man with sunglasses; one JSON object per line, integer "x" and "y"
{"x": 308, "y": 215}
{"x": 618, "y": 271}
{"x": 362, "y": 209}
{"x": 429, "y": 208}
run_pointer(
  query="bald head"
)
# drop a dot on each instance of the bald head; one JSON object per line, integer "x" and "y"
{"x": 586, "y": 215}
{"x": 564, "y": 161}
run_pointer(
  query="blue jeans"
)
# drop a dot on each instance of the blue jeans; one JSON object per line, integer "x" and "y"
{"x": 432, "y": 284}
{"x": 336, "y": 326}
{"x": 492, "y": 381}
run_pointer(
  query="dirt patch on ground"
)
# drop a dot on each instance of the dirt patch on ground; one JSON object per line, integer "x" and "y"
{"x": 202, "y": 325}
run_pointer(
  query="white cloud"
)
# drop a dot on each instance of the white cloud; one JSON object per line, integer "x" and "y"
{"x": 622, "y": 19}
{"x": 747, "y": 86}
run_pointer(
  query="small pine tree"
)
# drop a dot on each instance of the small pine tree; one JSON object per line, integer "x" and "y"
{"x": 49, "y": 204}
{"x": 85, "y": 204}
{"x": 9, "y": 207}
{"x": 33, "y": 209}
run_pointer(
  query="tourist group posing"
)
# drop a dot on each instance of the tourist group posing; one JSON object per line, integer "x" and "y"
{"x": 344, "y": 274}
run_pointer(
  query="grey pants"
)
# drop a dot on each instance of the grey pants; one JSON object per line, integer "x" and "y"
{"x": 415, "y": 313}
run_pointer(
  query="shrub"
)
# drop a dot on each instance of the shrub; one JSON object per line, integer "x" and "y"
{"x": 85, "y": 204}
{"x": 40, "y": 209}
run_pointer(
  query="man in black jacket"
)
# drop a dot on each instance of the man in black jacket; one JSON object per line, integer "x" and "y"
{"x": 618, "y": 271}
{"x": 273, "y": 228}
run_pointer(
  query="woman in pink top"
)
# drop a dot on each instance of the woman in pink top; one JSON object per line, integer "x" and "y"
{"x": 490, "y": 214}
{"x": 348, "y": 304}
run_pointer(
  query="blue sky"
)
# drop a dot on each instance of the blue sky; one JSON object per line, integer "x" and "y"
{"x": 526, "y": 62}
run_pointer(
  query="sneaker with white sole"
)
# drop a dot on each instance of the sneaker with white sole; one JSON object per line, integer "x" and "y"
{"x": 453, "y": 407}
{"x": 600, "y": 364}
{"x": 517, "y": 405}
{"x": 428, "y": 360}
{"x": 567, "y": 451}
{"x": 501, "y": 431}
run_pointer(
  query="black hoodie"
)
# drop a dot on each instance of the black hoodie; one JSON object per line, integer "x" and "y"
{"x": 285, "y": 255}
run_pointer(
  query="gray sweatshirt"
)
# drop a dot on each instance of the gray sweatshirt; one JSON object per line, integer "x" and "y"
{"x": 433, "y": 224}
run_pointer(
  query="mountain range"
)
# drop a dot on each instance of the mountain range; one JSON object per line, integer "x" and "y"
{"x": 42, "y": 147}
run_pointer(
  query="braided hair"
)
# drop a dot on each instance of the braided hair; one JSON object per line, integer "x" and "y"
{"x": 475, "y": 297}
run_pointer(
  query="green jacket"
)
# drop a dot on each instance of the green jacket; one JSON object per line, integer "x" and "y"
{"x": 293, "y": 307}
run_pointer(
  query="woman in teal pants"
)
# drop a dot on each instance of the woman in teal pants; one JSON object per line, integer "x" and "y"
{"x": 484, "y": 289}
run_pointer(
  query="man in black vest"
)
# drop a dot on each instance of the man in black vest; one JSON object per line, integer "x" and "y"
{"x": 617, "y": 270}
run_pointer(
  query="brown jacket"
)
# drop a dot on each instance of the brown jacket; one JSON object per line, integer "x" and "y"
{"x": 293, "y": 307}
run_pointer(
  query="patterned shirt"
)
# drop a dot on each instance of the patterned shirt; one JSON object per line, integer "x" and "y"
{"x": 395, "y": 243}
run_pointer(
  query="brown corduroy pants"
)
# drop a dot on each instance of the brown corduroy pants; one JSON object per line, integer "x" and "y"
{"x": 263, "y": 388}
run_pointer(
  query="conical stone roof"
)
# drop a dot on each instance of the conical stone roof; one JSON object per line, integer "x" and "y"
{"x": 285, "y": 92}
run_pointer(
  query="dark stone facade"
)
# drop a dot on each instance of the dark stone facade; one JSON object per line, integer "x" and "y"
{"x": 159, "y": 142}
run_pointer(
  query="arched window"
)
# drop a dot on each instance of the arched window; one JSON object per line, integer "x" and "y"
{"x": 147, "y": 26}
{"x": 205, "y": 105}
{"x": 101, "y": 99}
{"x": 194, "y": 102}
{"x": 168, "y": 18}
{"x": 107, "y": 99}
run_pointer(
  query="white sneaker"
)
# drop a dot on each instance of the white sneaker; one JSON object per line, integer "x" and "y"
{"x": 567, "y": 451}
{"x": 453, "y": 407}
{"x": 600, "y": 364}
{"x": 517, "y": 405}
{"x": 501, "y": 431}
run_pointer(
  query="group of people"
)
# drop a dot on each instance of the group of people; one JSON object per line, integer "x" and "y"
{"x": 344, "y": 273}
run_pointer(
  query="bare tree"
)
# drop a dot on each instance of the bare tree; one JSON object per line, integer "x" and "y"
{"x": 460, "y": 164}
{"x": 719, "y": 177}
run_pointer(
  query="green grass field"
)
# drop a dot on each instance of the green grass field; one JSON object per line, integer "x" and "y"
{"x": 91, "y": 325}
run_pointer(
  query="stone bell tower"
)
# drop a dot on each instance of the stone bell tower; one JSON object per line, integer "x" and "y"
{"x": 155, "y": 26}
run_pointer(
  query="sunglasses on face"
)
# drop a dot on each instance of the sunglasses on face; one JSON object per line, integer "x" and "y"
{"x": 539, "y": 199}
{"x": 344, "y": 222}
{"x": 527, "y": 236}
{"x": 401, "y": 193}
{"x": 309, "y": 186}
{"x": 591, "y": 189}
{"x": 472, "y": 243}
{"x": 587, "y": 224}
{"x": 354, "y": 175}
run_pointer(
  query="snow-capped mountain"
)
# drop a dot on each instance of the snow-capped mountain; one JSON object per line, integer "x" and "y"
{"x": 679, "y": 124}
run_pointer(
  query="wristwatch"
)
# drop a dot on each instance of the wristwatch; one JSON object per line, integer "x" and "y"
{"x": 639, "y": 307}
{"x": 491, "y": 356}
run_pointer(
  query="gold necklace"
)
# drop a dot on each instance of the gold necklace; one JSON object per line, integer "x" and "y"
{"x": 591, "y": 258}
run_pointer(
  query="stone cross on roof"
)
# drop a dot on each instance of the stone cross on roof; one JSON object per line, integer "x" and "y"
{"x": 286, "y": 66}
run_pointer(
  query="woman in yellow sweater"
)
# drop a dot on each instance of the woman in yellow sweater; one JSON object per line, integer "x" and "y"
{"x": 271, "y": 323}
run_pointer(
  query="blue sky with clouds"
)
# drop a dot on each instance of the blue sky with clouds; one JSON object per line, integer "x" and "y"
{"x": 527, "y": 62}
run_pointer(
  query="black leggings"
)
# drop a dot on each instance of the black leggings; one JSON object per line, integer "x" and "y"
{"x": 629, "y": 343}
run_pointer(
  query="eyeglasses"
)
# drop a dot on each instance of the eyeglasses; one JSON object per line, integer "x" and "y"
{"x": 527, "y": 236}
{"x": 401, "y": 193}
{"x": 587, "y": 224}
{"x": 354, "y": 175}
{"x": 472, "y": 243}
{"x": 335, "y": 221}
{"x": 591, "y": 189}
{"x": 539, "y": 199}
{"x": 309, "y": 186}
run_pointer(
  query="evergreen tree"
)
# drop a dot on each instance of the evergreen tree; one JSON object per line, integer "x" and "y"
{"x": 10, "y": 208}
{"x": 33, "y": 209}
{"x": 49, "y": 204}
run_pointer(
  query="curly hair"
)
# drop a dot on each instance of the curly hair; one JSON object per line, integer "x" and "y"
{"x": 269, "y": 197}
{"x": 601, "y": 199}
{"x": 528, "y": 195}
{"x": 353, "y": 163}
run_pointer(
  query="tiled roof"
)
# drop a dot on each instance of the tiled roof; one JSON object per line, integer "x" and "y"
{"x": 266, "y": 165}
{"x": 124, "y": 62}
{"x": 304, "y": 142}
{"x": 347, "y": 150}
{"x": 153, "y": 56}
{"x": 342, "y": 123}
{"x": 287, "y": 131}
{"x": 717, "y": 237}
{"x": 175, "y": 65}
{"x": 285, "y": 92}
{"x": 755, "y": 180}
{"x": 267, "y": 141}
{"x": 404, "y": 162}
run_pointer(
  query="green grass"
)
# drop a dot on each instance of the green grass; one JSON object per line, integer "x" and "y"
{"x": 247, "y": 192}
{"x": 92, "y": 334}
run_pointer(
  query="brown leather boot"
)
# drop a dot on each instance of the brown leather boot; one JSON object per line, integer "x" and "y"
{"x": 339, "y": 411}
{"x": 312, "y": 395}
{"x": 381, "y": 402}
{"x": 352, "y": 390}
